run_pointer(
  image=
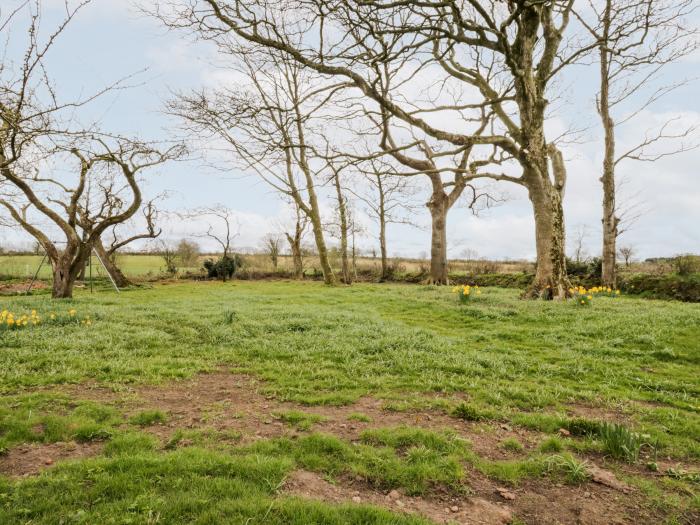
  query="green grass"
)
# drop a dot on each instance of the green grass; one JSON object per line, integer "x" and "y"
{"x": 148, "y": 417}
{"x": 518, "y": 362}
{"x": 298, "y": 419}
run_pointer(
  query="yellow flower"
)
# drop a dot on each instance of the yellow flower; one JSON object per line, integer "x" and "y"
{"x": 590, "y": 297}
{"x": 71, "y": 312}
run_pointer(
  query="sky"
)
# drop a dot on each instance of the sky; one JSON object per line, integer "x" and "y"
{"x": 111, "y": 39}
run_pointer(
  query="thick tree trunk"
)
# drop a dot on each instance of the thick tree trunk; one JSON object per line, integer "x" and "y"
{"x": 62, "y": 282}
{"x": 438, "y": 207}
{"x": 551, "y": 281}
{"x": 119, "y": 278}
{"x": 66, "y": 268}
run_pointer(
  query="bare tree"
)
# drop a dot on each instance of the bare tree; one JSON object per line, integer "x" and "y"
{"x": 387, "y": 201}
{"x": 267, "y": 124}
{"x": 188, "y": 252}
{"x": 169, "y": 255}
{"x": 222, "y": 228}
{"x": 505, "y": 54}
{"x": 636, "y": 41}
{"x": 627, "y": 253}
{"x": 52, "y": 170}
{"x": 272, "y": 244}
{"x": 579, "y": 243}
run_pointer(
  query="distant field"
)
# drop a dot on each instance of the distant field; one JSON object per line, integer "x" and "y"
{"x": 23, "y": 266}
{"x": 143, "y": 266}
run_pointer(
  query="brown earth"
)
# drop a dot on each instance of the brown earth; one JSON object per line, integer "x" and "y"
{"x": 236, "y": 405}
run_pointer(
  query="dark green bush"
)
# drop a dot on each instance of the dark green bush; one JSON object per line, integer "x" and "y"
{"x": 673, "y": 286}
{"x": 224, "y": 268}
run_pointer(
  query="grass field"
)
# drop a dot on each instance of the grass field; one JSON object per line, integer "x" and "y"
{"x": 282, "y": 402}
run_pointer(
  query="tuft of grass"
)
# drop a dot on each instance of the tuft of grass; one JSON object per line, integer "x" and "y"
{"x": 230, "y": 316}
{"x": 363, "y": 418}
{"x": 619, "y": 442}
{"x": 49, "y": 418}
{"x": 551, "y": 444}
{"x": 512, "y": 445}
{"x": 147, "y": 418}
{"x": 130, "y": 443}
{"x": 470, "y": 412}
{"x": 583, "y": 427}
{"x": 298, "y": 419}
{"x": 575, "y": 471}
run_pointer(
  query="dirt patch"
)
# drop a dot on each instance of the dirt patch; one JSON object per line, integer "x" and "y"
{"x": 20, "y": 287}
{"x": 224, "y": 401}
{"x": 28, "y": 460}
{"x": 467, "y": 510}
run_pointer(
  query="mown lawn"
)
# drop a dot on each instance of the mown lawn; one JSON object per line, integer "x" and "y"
{"x": 521, "y": 363}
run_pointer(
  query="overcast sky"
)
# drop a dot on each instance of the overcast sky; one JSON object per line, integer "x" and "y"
{"x": 110, "y": 39}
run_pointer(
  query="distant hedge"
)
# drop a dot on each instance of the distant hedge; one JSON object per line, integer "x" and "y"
{"x": 672, "y": 286}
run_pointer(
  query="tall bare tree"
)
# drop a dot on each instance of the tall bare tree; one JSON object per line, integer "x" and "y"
{"x": 387, "y": 201}
{"x": 635, "y": 41}
{"x": 266, "y": 122}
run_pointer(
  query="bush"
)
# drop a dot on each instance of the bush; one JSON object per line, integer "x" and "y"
{"x": 224, "y": 268}
{"x": 687, "y": 264}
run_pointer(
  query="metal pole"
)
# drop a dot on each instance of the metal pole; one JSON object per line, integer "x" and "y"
{"x": 106, "y": 271}
{"x": 29, "y": 288}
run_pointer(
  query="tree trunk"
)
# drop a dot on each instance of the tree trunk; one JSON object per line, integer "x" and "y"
{"x": 610, "y": 220}
{"x": 438, "y": 207}
{"x": 66, "y": 268}
{"x": 62, "y": 282}
{"x": 343, "y": 220}
{"x": 382, "y": 230}
{"x": 317, "y": 228}
{"x": 382, "y": 248}
{"x": 551, "y": 281}
{"x": 119, "y": 278}
{"x": 295, "y": 246}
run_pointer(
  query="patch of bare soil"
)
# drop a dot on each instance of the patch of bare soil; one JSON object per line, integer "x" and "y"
{"x": 467, "y": 510}
{"x": 236, "y": 403}
{"x": 20, "y": 287}
{"x": 30, "y": 459}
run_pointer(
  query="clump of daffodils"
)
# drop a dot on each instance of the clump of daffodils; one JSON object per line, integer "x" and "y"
{"x": 464, "y": 293}
{"x": 10, "y": 320}
{"x": 584, "y": 296}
